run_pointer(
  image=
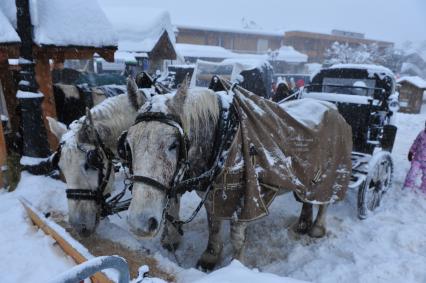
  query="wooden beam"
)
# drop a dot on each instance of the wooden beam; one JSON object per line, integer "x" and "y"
{"x": 43, "y": 224}
{"x": 11, "y": 50}
{"x": 44, "y": 80}
{"x": 74, "y": 52}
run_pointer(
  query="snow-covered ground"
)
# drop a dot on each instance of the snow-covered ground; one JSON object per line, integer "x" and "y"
{"x": 389, "y": 246}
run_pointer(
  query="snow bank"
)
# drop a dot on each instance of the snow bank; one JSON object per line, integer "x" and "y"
{"x": 139, "y": 28}
{"x": 28, "y": 255}
{"x": 236, "y": 272}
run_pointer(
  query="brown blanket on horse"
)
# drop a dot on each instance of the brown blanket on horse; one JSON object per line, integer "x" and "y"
{"x": 302, "y": 146}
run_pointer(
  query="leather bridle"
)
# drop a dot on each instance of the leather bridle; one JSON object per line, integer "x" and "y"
{"x": 94, "y": 160}
{"x": 225, "y": 133}
{"x": 182, "y": 163}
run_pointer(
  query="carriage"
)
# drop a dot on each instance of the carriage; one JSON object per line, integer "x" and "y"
{"x": 254, "y": 75}
{"x": 365, "y": 96}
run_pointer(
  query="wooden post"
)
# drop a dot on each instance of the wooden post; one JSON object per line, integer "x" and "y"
{"x": 34, "y": 134}
{"x": 44, "y": 80}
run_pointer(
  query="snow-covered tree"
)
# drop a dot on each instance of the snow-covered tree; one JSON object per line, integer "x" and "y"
{"x": 344, "y": 53}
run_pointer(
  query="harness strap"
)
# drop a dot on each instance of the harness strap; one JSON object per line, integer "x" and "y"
{"x": 149, "y": 181}
{"x": 81, "y": 194}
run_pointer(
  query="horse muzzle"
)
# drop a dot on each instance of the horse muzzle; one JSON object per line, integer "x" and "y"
{"x": 146, "y": 227}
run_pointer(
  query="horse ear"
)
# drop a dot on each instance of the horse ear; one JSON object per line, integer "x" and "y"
{"x": 56, "y": 127}
{"x": 87, "y": 131}
{"x": 89, "y": 119}
{"x": 136, "y": 98}
{"x": 181, "y": 94}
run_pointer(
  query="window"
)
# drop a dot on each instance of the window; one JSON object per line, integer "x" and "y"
{"x": 262, "y": 45}
{"x": 364, "y": 87}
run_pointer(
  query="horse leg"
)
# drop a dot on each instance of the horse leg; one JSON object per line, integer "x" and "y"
{"x": 170, "y": 239}
{"x": 211, "y": 255}
{"x": 318, "y": 229}
{"x": 238, "y": 238}
{"x": 305, "y": 220}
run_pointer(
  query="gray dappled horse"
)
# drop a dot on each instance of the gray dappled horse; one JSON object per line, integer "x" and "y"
{"x": 155, "y": 148}
{"x": 85, "y": 154}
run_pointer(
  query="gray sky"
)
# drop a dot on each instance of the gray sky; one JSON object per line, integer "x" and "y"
{"x": 392, "y": 20}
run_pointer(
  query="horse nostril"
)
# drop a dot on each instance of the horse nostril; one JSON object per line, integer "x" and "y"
{"x": 152, "y": 224}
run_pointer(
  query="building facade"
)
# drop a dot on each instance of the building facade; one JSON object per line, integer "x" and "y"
{"x": 236, "y": 40}
{"x": 316, "y": 44}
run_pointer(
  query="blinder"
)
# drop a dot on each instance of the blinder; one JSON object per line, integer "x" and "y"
{"x": 94, "y": 160}
{"x": 123, "y": 148}
{"x": 56, "y": 157}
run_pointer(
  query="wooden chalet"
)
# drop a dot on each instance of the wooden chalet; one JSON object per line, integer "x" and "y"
{"x": 145, "y": 35}
{"x": 411, "y": 91}
{"x": 61, "y": 30}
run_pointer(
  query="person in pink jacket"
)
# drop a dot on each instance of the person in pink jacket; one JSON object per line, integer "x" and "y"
{"x": 417, "y": 157}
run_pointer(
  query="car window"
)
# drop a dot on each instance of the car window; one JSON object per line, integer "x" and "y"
{"x": 364, "y": 87}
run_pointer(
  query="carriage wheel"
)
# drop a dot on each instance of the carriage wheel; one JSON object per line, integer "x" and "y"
{"x": 378, "y": 181}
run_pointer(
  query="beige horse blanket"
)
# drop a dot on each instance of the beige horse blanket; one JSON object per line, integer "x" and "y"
{"x": 302, "y": 146}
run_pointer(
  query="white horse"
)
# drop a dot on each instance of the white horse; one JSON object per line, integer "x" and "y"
{"x": 81, "y": 159}
{"x": 157, "y": 144}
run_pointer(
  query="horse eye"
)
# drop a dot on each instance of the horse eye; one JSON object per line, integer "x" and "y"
{"x": 93, "y": 160}
{"x": 173, "y": 146}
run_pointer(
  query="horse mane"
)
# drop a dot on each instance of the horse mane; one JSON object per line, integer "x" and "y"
{"x": 110, "y": 118}
{"x": 200, "y": 109}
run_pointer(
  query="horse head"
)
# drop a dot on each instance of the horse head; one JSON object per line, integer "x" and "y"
{"x": 85, "y": 164}
{"x": 86, "y": 152}
{"x": 159, "y": 149}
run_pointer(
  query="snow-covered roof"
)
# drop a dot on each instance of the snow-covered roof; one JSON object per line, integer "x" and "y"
{"x": 372, "y": 69}
{"x": 66, "y": 23}
{"x": 203, "y": 51}
{"x": 139, "y": 28}
{"x": 410, "y": 68}
{"x": 7, "y": 32}
{"x": 414, "y": 80}
{"x": 8, "y": 8}
{"x": 278, "y": 33}
{"x": 247, "y": 63}
{"x": 71, "y": 23}
{"x": 290, "y": 55}
{"x": 418, "y": 51}
{"x": 285, "y": 53}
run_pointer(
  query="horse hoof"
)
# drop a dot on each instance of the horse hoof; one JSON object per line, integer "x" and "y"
{"x": 205, "y": 266}
{"x": 171, "y": 247}
{"x": 301, "y": 227}
{"x": 317, "y": 231}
